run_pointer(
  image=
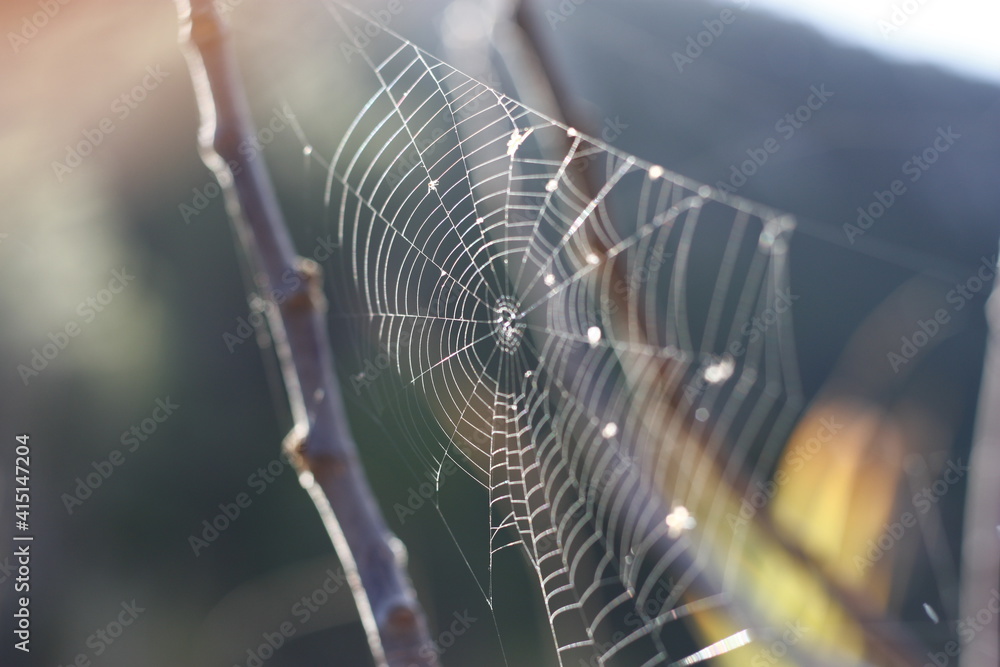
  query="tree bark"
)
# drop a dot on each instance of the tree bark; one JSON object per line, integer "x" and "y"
{"x": 320, "y": 444}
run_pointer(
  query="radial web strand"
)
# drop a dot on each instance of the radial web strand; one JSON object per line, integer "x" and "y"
{"x": 607, "y": 356}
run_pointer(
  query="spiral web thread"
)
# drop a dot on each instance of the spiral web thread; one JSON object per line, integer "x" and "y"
{"x": 602, "y": 355}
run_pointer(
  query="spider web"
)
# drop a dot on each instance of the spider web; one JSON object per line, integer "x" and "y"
{"x": 603, "y": 355}
{"x": 603, "y": 345}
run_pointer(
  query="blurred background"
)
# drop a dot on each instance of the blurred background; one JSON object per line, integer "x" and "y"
{"x": 126, "y": 327}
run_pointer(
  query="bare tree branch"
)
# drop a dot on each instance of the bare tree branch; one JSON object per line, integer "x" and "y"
{"x": 320, "y": 444}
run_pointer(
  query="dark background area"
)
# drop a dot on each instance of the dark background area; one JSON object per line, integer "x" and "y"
{"x": 163, "y": 335}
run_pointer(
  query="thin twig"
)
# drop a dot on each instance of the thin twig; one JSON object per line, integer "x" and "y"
{"x": 320, "y": 444}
